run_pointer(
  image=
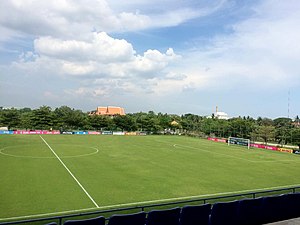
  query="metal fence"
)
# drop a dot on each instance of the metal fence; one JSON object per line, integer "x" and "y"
{"x": 60, "y": 219}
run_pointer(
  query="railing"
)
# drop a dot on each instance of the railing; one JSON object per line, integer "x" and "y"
{"x": 253, "y": 195}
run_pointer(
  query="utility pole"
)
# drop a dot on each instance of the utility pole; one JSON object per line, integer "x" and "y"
{"x": 289, "y": 104}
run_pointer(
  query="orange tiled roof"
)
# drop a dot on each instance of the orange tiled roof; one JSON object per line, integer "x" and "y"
{"x": 110, "y": 111}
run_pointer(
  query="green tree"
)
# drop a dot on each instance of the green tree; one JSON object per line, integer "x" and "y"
{"x": 164, "y": 120}
{"x": 141, "y": 120}
{"x": 42, "y": 118}
{"x": 266, "y": 133}
{"x": 62, "y": 118}
{"x": 191, "y": 122}
{"x": 26, "y": 120}
{"x": 67, "y": 119}
{"x": 10, "y": 118}
{"x": 125, "y": 123}
{"x": 237, "y": 127}
{"x": 283, "y": 127}
{"x": 264, "y": 121}
{"x": 99, "y": 122}
{"x": 295, "y": 136}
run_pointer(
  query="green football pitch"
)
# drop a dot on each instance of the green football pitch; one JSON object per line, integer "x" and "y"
{"x": 51, "y": 174}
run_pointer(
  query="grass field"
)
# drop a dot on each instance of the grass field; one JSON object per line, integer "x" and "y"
{"x": 50, "y": 174}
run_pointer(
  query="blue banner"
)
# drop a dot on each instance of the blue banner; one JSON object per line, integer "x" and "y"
{"x": 6, "y": 132}
{"x": 80, "y": 132}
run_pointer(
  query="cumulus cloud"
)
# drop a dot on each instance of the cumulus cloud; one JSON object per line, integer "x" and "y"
{"x": 260, "y": 51}
{"x": 76, "y": 44}
{"x": 101, "y": 57}
{"x": 71, "y": 39}
{"x": 257, "y": 49}
{"x": 76, "y": 18}
{"x": 100, "y": 47}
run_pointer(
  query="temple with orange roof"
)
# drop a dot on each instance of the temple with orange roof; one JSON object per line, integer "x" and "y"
{"x": 109, "y": 111}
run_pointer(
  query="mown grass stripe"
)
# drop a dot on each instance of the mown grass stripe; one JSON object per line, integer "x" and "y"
{"x": 72, "y": 175}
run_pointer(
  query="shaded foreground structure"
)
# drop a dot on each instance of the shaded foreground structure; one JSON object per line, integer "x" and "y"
{"x": 252, "y": 208}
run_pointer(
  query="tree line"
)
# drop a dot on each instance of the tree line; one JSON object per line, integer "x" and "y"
{"x": 279, "y": 130}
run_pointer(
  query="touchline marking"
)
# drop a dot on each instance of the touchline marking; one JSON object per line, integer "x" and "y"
{"x": 149, "y": 202}
{"x": 195, "y": 196}
{"x": 47, "y": 214}
{"x": 70, "y": 173}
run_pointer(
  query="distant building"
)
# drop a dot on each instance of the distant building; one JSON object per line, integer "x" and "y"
{"x": 221, "y": 115}
{"x": 109, "y": 111}
{"x": 174, "y": 123}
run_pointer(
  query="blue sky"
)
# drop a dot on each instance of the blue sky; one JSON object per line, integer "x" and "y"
{"x": 166, "y": 56}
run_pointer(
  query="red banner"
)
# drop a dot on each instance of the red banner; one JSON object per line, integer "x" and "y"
{"x": 217, "y": 139}
{"x": 274, "y": 148}
{"x": 36, "y": 132}
{"x": 94, "y": 132}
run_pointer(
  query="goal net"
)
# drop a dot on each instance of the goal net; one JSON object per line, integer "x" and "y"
{"x": 239, "y": 141}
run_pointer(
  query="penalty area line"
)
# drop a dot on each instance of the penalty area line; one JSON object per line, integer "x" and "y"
{"x": 72, "y": 175}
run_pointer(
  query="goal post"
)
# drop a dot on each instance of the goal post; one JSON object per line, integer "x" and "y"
{"x": 239, "y": 141}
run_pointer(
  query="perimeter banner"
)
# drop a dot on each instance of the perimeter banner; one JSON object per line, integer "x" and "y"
{"x": 80, "y": 132}
{"x": 286, "y": 150}
{"x": 296, "y": 151}
{"x": 131, "y": 133}
{"x": 6, "y": 132}
{"x": 36, "y": 132}
{"x": 217, "y": 139}
{"x": 268, "y": 147}
{"x": 94, "y": 132}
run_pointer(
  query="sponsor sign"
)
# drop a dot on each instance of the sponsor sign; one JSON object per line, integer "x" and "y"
{"x": 107, "y": 132}
{"x": 94, "y": 132}
{"x": 6, "y": 132}
{"x": 131, "y": 133}
{"x": 80, "y": 132}
{"x": 268, "y": 147}
{"x": 296, "y": 151}
{"x": 257, "y": 145}
{"x": 273, "y": 148}
{"x": 35, "y": 132}
{"x": 285, "y": 150}
{"x": 118, "y": 133}
{"x": 217, "y": 139}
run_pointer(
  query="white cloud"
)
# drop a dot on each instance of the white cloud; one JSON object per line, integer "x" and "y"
{"x": 73, "y": 44}
{"x": 97, "y": 61}
{"x": 152, "y": 62}
{"x": 261, "y": 52}
{"x": 77, "y": 68}
{"x": 76, "y": 18}
{"x": 258, "y": 52}
{"x": 100, "y": 47}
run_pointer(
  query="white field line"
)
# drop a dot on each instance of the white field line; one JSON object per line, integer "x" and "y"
{"x": 80, "y": 185}
{"x": 211, "y": 152}
{"x": 46, "y": 157}
{"x": 149, "y": 202}
{"x": 194, "y": 197}
{"x": 229, "y": 156}
{"x": 46, "y": 214}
